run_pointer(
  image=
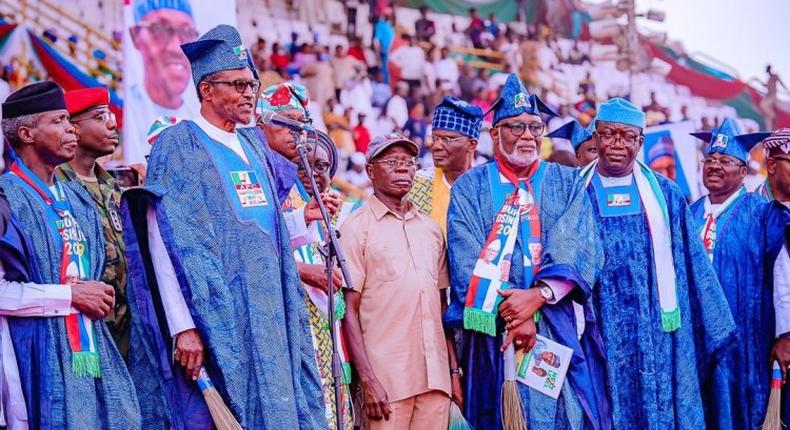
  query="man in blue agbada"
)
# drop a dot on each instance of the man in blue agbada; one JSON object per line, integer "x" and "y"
{"x": 69, "y": 370}
{"x": 581, "y": 140}
{"x": 742, "y": 236}
{"x": 544, "y": 274}
{"x": 663, "y": 314}
{"x": 213, "y": 274}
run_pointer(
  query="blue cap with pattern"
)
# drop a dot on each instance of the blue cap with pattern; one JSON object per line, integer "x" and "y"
{"x": 574, "y": 132}
{"x": 143, "y": 7}
{"x": 621, "y": 111}
{"x": 456, "y": 115}
{"x": 727, "y": 139}
{"x": 217, "y": 50}
{"x": 514, "y": 99}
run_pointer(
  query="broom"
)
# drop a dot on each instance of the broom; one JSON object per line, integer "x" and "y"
{"x": 222, "y": 416}
{"x": 512, "y": 413}
{"x": 773, "y": 416}
{"x": 457, "y": 420}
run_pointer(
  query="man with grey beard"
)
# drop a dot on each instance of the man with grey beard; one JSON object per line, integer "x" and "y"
{"x": 547, "y": 265}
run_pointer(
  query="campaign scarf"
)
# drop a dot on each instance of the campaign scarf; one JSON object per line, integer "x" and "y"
{"x": 712, "y": 217}
{"x": 765, "y": 190}
{"x": 518, "y": 214}
{"x": 309, "y": 254}
{"x": 74, "y": 264}
{"x": 655, "y": 206}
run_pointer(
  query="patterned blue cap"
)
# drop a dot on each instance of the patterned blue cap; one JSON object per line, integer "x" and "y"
{"x": 574, "y": 132}
{"x": 459, "y": 116}
{"x": 621, "y": 111}
{"x": 514, "y": 100}
{"x": 217, "y": 50}
{"x": 727, "y": 139}
{"x": 143, "y": 7}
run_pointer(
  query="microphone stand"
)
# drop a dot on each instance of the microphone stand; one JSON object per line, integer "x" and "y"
{"x": 333, "y": 255}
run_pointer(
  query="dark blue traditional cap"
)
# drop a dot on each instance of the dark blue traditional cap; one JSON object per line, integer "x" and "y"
{"x": 514, "y": 99}
{"x": 143, "y": 7}
{"x": 34, "y": 98}
{"x": 727, "y": 139}
{"x": 456, "y": 115}
{"x": 574, "y": 132}
{"x": 621, "y": 111}
{"x": 217, "y": 50}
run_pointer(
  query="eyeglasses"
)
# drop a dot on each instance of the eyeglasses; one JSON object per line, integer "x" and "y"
{"x": 393, "y": 164}
{"x": 517, "y": 129}
{"x": 240, "y": 85}
{"x": 320, "y": 167}
{"x": 608, "y": 138}
{"x": 444, "y": 140}
{"x": 104, "y": 116}
{"x": 725, "y": 163}
{"x": 163, "y": 33}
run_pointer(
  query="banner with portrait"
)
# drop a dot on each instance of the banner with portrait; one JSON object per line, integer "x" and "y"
{"x": 671, "y": 151}
{"x": 157, "y": 76}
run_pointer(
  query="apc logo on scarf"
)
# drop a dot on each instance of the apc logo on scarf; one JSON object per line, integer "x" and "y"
{"x": 720, "y": 142}
{"x": 521, "y": 101}
{"x": 617, "y": 200}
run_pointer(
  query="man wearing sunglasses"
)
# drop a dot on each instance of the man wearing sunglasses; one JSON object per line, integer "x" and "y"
{"x": 97, "y": 136}
{"x": 657, "y": 282}
{"x": 455, "y": 130}
{"x": 160, "y": 27}
{"x": 548, "y": 264}
{"x": 224, "y": 279}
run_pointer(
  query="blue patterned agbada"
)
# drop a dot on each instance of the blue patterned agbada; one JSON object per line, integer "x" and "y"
{"x": 240, "y": 285}
{"x": 571, "y": 251}
{"x": 748, "y": 240}
{"x": 55, "y": 397}
{"x": 656, "y": 377}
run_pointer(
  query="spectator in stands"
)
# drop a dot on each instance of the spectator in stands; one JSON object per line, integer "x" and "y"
{"x": 358, "y": 94}
{"x": 587, "y": 85}
{"x": 447, "y": 73}
{"x": 361, "y": 134}
{"x": 339, "y": 128}
{"x": 397, "y": 109}
{"x": 475, "y": 29}
{"x": 467, "y": 82}
{"x": 382, "y": 124}
{"x": 455, "y": 38}
{"x": 381, "y": 91}
{"x": 576, "y": 56}
{"x": 306, "y": 54}
{"x": 656, "y": 114}
{"x": 279, "y": 59}
{"x": 417, "y": 126}
{"x": 160, "y": 29}
{"x": 424, "y": 28}
{"x": 72, "y": 44}
{"x": 411, "y": 60}
{"x": 768, "y": 103}
{"x": 706, "y": 125}
{"x": 484, "y": 100}
{"x": 293, "y": 46}
{"x": 356, "y": 175}
{"x": 494, "y": 28}
{"x": 684, "y": 113}
{"x": 383, "y": 35}
{"x": 345, "y": 67}
{"x": 51, "y": 34}
{"x": 259, "y": 54}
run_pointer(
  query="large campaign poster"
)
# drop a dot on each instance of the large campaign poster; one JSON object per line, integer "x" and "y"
{"x": 670, "y": 150}
{"x": 157, "y": 76}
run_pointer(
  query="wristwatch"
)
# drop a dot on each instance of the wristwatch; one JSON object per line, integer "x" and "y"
{"x": 546, "y": 292}
{"x": 457, "y": 371}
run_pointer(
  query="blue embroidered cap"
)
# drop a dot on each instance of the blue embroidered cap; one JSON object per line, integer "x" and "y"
{"x": 456, "y": 115}
{"x": 143, "y": 7}
{"x": 574, "y": 132}
{"x": 515, "y": 100}
{"x": 727, "y": 139}
{"x": 621, "y": 111}
{"x": 217, "y": 50}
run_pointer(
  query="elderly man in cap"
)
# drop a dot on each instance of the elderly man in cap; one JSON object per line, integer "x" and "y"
{"x": 160, "y": 27}
{"x": 71, "y": 374}
{"x": 741, "y": 233}
{"x": 777, "y": 148}
{"x": 657, "y": 281}
{"x": 396, "y": 256}
{"x": 581, "y": 141}
{"x": 548, "y": 264}
{"x": 97, "y": 136}
{"x": 455, "y": 130}
{"x": 223, "y": 289}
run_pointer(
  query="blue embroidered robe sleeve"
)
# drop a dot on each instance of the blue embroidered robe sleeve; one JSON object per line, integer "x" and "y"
{"x": 243, "y": 292}
{"x": 566, "y": 219}
{"x": 55, "y": 397}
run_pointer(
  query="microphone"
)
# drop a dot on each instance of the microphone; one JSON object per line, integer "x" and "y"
{"x": 275, "y": 119}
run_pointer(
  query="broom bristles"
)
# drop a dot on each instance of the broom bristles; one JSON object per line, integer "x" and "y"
{"x": 512, "y": 414}
{"x": 457, "y": 420}
{"x": 222, "y": 416}
{"x": 773, "y": 414}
